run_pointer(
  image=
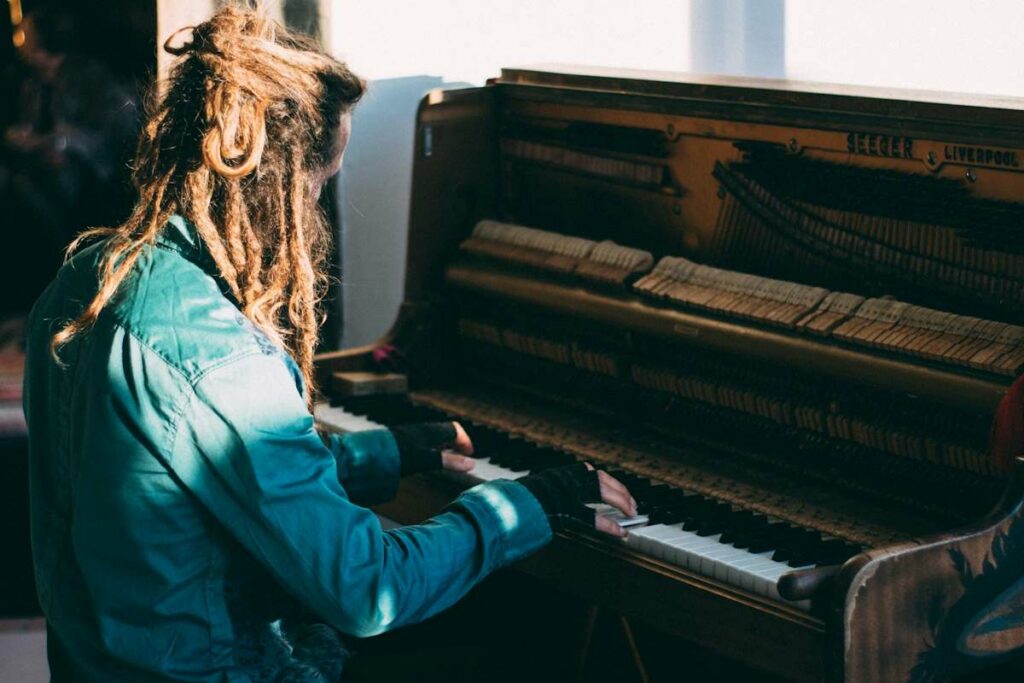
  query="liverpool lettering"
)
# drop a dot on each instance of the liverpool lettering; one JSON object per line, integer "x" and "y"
{"x": 984, "y": 156}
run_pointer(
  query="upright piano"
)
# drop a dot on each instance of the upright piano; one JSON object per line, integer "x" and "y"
{"x": 786, "y": 315}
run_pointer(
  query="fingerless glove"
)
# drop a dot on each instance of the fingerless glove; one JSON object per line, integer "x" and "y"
{"x": 420, "y": 444}
{"x": 563, "y": 493}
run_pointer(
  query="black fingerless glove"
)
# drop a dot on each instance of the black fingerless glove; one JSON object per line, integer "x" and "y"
{"x": 420, "y": 444}
{"x": 563, "y": 493}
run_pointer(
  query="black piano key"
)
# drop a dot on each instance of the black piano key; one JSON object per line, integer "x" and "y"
{"x": 704, "y": 515}
{"x": 835, "y": 551}
{"x": 547, "y": 458}
{"x": 511, "y": 460}
{"x": 770, "y": 539}
{"x": 673, "y": 508}
{"x": 729, "y": 523}
{"x": 485, "y": 440}
{"x": 713, "y": 525}
{"x": 665, "y": 516}
{"x": 802, "y": 558}
{"x": 756, "y": 542}
{"x": 654, "y": 496}
{"x": 740, "y": 525}
{"x": 797, "y": 548}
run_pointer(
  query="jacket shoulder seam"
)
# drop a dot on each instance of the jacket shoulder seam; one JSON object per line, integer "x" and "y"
{"x": 223, "y": 362}
{"x": 191, "y": 379}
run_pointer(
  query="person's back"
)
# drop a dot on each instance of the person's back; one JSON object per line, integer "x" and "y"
{"x": 189, "y": 523}
{"x": 133, "y": 575}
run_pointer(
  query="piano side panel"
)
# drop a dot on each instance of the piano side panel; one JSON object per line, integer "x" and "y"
{"x": 938, "y": 610}
{"x": 454, "y": 185}
{"x": 455, "y": 180}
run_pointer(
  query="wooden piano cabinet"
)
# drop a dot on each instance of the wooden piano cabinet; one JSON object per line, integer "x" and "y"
{"x": 829, "y": 305}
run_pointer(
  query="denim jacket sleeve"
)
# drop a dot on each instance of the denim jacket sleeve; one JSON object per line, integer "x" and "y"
{"x": 368, "y": 465}
{"x": 245, "y": 446}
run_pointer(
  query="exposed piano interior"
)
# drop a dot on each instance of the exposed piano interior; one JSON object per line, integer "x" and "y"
{"x": 784, "y": 316}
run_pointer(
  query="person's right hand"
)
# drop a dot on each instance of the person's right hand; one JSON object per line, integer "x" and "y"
{"x": 563, "y": 493}
{"x": 614, "y": 493}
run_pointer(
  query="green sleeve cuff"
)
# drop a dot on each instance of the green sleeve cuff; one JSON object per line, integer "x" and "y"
{"x": 510, "y": 517}
{"x": 368, "y": 465}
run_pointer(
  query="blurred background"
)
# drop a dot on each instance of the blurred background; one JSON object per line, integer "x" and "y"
{"x": 73, "y": 77}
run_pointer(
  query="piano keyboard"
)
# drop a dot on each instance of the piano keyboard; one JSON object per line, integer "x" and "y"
{"x": 485, "y": 469}
{"x": 741, "y": 548}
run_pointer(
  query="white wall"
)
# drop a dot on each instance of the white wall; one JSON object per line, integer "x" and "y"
{"x": 948, "y": 45}
{"x": 470, "y": 40}
{"x": 407, "y": 48}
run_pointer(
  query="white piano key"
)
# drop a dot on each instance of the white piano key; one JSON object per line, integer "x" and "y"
{"x": 640, "y": 539}
{"x": 706, "y": 555}
{"x": 646, "y": 539}
{"x": 483, "y": 471}
{"x": 337, "y": 419}
{"x": 736, "y": 570}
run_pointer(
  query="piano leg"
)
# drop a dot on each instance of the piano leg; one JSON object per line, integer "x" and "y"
{"x": 593, "y": 614}
{"x": 588, "y": 637}
{"x": 627, "y": 631}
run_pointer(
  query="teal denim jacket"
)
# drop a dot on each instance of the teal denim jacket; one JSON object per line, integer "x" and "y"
{"x": 183, "y": 504}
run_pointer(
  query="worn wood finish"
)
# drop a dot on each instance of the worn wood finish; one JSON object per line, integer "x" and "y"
{"x": 941, "y": 607}
{"x": 925, "y": 203}
{"x": 984, "y": 119}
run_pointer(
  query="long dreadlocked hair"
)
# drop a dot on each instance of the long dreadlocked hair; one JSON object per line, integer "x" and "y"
{"x": 239, "y": 145}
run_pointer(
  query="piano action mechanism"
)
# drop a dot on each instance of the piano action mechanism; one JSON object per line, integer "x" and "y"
{"x": 784, "y": 314}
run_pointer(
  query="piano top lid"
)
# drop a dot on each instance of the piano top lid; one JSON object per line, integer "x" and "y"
{"x": 924, "y": 109}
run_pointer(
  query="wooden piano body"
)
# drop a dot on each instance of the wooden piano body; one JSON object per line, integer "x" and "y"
{"x": 821, "y": 333}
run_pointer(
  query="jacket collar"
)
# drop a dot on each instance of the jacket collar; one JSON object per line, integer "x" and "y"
{"x": 181, "y": 237}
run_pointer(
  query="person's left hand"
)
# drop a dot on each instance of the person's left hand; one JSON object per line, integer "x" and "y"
{"x": 456, "y": 457}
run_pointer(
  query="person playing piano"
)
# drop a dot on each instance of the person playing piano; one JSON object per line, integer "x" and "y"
{"x": 188, "y": 520}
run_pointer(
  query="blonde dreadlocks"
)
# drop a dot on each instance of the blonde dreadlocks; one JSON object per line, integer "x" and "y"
{"x": 239, "y": 145}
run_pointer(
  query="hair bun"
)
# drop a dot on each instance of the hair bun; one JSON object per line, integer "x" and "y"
{"x": 234, "y": 143}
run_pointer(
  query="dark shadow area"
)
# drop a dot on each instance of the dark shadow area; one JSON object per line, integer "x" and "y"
{"x": 72, "y": 79}
{"x": 515, "y": 628}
